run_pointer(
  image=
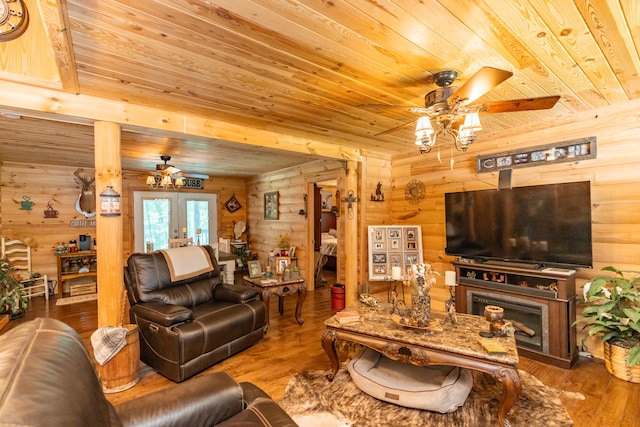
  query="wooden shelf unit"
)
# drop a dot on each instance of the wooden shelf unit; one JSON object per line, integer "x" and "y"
{"x": 553, "y": 289}
{"x": 70, "y": 262}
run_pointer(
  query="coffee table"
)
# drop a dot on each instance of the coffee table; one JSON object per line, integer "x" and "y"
{"x": 281, "y": 288}
{"x": 444, "y": 345}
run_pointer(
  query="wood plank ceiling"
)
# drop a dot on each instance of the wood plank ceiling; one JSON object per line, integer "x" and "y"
{"x": 302, "y": 68}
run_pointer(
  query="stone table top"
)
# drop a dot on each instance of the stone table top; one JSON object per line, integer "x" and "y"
{"x": 462, "y": 338}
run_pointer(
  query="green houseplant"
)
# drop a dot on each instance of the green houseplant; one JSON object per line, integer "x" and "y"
{"x": 613, "y": 311}
{"x": 13, "y": 297}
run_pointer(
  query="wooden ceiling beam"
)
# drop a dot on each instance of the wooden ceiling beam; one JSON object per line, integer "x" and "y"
{"x": 61, "y": 106}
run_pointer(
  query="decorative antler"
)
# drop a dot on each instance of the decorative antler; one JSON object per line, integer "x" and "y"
{"x": 86, "y": 181}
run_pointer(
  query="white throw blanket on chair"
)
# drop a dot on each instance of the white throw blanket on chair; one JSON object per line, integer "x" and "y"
{"x": 187, "y": 262}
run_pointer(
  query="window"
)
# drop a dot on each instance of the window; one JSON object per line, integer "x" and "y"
{"x": 161, "y": 216}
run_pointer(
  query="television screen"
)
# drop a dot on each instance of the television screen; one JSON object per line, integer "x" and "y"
{"x": 548, "y": 225}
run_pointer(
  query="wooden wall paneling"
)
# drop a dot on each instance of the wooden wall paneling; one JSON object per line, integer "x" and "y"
{"x": 291, "y": 183}
{"x": 613, "y": 175}
{"x": 374, "y": 170}
{"x": 44, "y": 183}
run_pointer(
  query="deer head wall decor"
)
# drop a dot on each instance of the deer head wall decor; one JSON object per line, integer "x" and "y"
{"x": 86, "y": 202}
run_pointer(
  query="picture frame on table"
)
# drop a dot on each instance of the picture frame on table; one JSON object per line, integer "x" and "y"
{"x": 255, "y": 270}
{"x": 282, "y": 263}
{"x": 271, "y": 205}
{"x": 292, "y": 251}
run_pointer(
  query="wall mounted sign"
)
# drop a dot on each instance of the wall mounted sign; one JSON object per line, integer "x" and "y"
{"x": 565, "y": 151}
{"x": 193, "y": 183}
{"x": 82, "y": 223}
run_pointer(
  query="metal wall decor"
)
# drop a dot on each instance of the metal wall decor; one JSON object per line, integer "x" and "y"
{"x": 232, "y": 204}
{"x": 414, "y": 191}
{"x": 379, "y": 195}
{"x": 565, "y": 151}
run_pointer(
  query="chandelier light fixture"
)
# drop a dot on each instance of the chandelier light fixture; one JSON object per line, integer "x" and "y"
{"x": 445, "y": 124}
{"x": 165, "y": 181}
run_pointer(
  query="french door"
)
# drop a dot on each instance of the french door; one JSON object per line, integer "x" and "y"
{"x": 159, "y": 217}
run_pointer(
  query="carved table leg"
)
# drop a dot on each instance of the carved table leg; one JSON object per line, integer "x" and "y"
{"x": 329, "y": 345}
{"x": 281, "y": 305}
{"x": 512, "y": 387}
{"x": 266, "y": 294}
{"x": 302, "y": 294}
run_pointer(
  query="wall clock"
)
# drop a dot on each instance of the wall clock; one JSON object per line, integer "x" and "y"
{"x": 414, "y": 192}
{"x": 14, "y": 19}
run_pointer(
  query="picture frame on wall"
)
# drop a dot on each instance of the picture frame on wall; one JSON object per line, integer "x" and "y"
{"x": 271, "y": 201}
{"x": 393, "y": 246}
{"x": 255, "y": 270}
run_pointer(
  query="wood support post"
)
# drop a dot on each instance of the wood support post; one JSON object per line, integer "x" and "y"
{"x": 109, "y": 229}
{"x": 351, "y": 234}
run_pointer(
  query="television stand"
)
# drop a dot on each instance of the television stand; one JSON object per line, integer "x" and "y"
{"x": 522, "y": 265}
{"x": 543, "y": 300}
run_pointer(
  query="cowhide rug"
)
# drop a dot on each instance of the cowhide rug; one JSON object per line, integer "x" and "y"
{"x": 312, "y": 401}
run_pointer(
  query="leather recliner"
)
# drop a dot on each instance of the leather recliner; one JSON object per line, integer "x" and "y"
{"x": 47, "y": 378}
{"x": 186, "y": 326}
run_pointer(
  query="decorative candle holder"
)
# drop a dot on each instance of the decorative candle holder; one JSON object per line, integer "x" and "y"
{"x": 450, "y": 304}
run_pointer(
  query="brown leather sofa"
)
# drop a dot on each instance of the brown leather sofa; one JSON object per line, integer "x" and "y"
{"x": 188, "y": 325}
{"x": 47, "y": 378}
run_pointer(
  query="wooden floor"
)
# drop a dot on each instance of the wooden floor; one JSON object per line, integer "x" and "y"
{"x": 289, "y": 348}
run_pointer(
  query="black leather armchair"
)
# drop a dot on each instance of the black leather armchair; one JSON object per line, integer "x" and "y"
{"x": 188, "y": 325}
{"x": 47, "y": 378}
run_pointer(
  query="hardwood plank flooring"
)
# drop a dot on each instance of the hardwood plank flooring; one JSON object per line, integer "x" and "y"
{"x": 289, "y": 348}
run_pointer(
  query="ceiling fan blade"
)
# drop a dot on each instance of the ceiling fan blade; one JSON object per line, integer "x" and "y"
{"x": 513, "y": 105}
{"x": 396, "y": 128}
{"x": 480, "y": 83}
{"x": 418, "y": 110}
{"x": 171, "y": 169}
{"x": 195, "y": 175}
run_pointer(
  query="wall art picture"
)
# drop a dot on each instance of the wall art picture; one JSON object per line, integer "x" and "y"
{"x": 271, "y": 205}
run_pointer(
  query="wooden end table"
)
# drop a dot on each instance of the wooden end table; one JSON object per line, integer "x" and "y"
{"x": 281, "y": 288}
{"x": 445, "y": 345}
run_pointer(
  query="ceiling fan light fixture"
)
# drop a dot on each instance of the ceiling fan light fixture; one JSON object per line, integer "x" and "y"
{"x": 151, "y": 180}
{"x": 178, "y": 181}
{"x": 472, "y": 122}
{"x": 166, "y": 181}
{"x": 424, "y": 130}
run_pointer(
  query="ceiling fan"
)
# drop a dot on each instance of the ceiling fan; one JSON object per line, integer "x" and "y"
{"x": 452, "y": 110}
{"x": 168, "y": 176}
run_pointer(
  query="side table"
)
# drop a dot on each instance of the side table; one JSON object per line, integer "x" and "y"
{"x": 281, "y": 288}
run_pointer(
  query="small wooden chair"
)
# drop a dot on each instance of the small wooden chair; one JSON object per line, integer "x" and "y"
{"x": 18, "y": 254}
{"x": 319, "y": 260}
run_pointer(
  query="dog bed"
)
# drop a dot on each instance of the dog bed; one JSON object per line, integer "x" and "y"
{"x": 435, "y": 388}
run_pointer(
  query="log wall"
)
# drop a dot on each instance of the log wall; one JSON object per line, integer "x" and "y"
{"x": 614, "y": 176}
{"x": 56, "y": 184}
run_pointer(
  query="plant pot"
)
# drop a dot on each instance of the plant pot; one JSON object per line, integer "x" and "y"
{"x": 18, "y": 314}
{"x": 615, "y": 359}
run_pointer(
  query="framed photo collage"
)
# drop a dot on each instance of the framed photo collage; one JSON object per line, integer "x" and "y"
{"x": 393, "y": 246}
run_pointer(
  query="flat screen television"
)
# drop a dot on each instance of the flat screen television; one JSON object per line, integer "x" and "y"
{"x": 542, "y": 225}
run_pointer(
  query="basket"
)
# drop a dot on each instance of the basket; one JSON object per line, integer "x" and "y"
{"x": 615, "y": 359}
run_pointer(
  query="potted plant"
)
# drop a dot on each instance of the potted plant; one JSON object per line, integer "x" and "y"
{"x": 13, "y": 298}
{"x": 614, "y": 312}
{"x": 283, "y": 243}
